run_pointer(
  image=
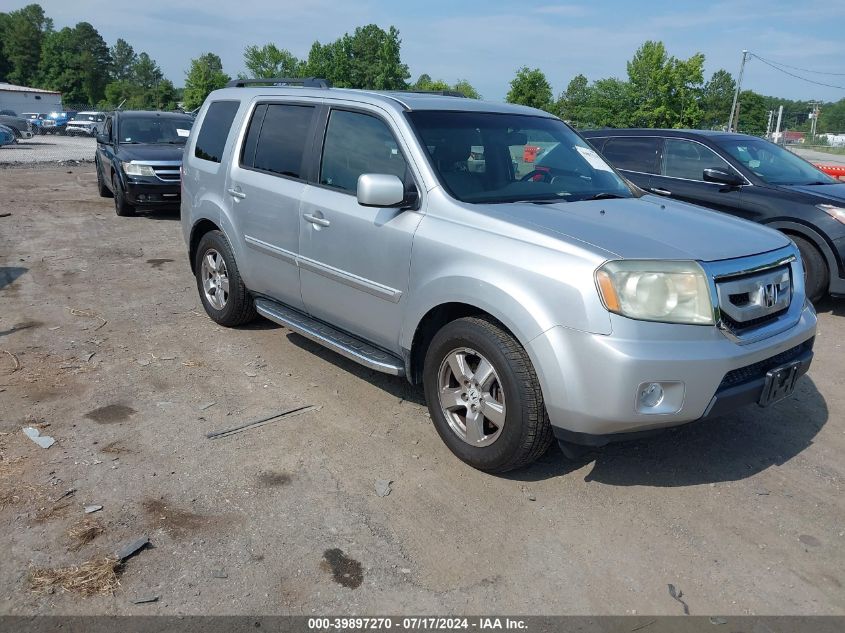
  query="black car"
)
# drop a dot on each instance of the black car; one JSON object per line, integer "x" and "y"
{"x": 139, "y": 157}
{"x": 745, "y": 176}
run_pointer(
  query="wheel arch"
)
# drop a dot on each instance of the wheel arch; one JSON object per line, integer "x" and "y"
{"x": 198, "y": 230}
{"x": 817, "y": 239}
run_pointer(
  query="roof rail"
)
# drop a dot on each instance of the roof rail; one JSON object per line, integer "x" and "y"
{"x": 305, "y": 82}
{"x": 441, "y": 93}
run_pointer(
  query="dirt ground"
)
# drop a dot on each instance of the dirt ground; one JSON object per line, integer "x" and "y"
{"x": 108, "y": 347}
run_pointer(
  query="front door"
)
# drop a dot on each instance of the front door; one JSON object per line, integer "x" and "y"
{"x": 355, "y": 260}
{"x": 682, "y": 176}
{"x": 265, "y": 187}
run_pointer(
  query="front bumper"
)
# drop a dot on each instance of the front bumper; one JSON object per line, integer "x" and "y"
{"x": 590, "y": 382}
{"x": 153, "y": 193}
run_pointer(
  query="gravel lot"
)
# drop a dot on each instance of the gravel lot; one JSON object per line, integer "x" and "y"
{"x": 108, "y": 345}
{"x": 48, "y": 149}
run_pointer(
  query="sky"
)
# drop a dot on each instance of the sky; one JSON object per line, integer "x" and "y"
{"x": 486, "y": 41}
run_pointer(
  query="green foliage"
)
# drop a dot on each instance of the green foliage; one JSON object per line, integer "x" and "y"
{"x": 72, "y": 62}
{"x": 369, "y": 58}
{"x": 832, "y": 117}
{"x": 753, "y": 114}
{"x": 716, "y": 100}
{"x": 663, "y": 90}
{"x": 23, "y": 33}
{"x": 270, "y": 61}
{"x": 531, "y": 88}
{"x": 144, "y": 88}
{"x": 206, "y": 74}
{"x": 425, "y": 82}
{"x": 123, "y": 59}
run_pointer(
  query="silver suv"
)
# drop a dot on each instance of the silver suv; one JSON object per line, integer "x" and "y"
{"x": 414, "y": 234}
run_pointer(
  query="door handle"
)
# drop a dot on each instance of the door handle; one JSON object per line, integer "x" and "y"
{"x": 237, "y": 193}
{"x": 660, "y": 192}
{"x": 313, "y": 219}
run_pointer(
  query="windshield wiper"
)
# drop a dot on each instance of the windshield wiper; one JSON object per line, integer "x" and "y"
{"x": 604, "y": 195}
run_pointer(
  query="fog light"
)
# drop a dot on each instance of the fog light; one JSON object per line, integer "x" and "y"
{"x": 651, "y": 395}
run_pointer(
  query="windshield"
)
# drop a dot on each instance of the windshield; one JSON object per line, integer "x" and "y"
{"x": 494, "y": 158}
{"x": 154, "y": 130}
{"x": 772, "y": 163}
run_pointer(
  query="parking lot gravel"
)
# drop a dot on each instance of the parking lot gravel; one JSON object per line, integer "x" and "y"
{"x": 47, "y": 149}
{"x": 105, "y": 348}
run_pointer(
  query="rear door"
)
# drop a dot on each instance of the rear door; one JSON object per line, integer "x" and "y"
{"x": 682, "y": 176}
{"x": 355, "y": 260}
{"x": 637, "y": 157}
{"x": 265, "y": 186}
{"x": 106, "y": 150}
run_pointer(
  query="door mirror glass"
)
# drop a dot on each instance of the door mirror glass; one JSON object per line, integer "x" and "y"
{"x": 380, "y": 190}
{"x": 722, "y": 176}
{"x": 102, "y": 138}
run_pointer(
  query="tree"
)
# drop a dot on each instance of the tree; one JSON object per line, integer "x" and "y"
{"x": 753, "y": 115}
{"x": 716, "y": 100}
{"x": 609, "y": 104}
{"x": 573, "y": 102}
{"x": 531, "y": 88}
{"x": 123, "y": 58}
{"x": 664, "y": 90}
{"x": 144, "y": 88}
{"x": 23, "y": 35}
{"x": 206, "y": 74}
{"x": 466, "y": 89}
{"x": 369, "y": 58}
{"x": 75, "y": 62}
{"x": 5, "y": 64}
{"x": 270, "y": 61}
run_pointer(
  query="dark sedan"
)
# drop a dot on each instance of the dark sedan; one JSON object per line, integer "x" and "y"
{"x": 745, "y": 176}
{"x": 139, "y": 157}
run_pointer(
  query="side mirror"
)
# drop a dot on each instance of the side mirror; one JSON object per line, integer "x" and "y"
{"x": 102, "y": 138}
{"x": 722, "y": 177}
{"x": 380, "y": 190}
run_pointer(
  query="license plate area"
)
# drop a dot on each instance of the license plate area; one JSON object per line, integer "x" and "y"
{"x": 780, "y": 383}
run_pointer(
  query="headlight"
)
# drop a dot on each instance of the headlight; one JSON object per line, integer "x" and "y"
{"x": 837, "y": 213}
{"x": 673, "y": 292}
{"x": 133, "y": 169}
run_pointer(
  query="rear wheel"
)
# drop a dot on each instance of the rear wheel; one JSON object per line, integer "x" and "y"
{"x": 816, "y": 274}
{"x": 121, "y": 206}
{"x": 222, "y": 291}
{"x": 484, "y": 396}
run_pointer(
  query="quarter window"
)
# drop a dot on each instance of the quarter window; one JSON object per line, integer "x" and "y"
{"x": 211, "y": 140}
{"x": 358, "y": 144}
{"x": 634, "y": 153}
{"x": 282, "y": 139}
{"x": 686, "y": 159}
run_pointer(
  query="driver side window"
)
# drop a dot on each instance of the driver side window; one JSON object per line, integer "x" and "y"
{"x": 688, "y": 160}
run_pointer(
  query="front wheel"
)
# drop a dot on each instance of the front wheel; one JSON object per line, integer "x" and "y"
{"x": 484, "y": 397}
{"x": 121, "y": 206}
{"x": 816, "y": 274}
{"x": 222, "y": 291}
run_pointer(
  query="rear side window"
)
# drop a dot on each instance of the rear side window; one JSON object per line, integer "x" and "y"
{"x": 215, "y": 130}
{"x": 279, "y": 135}
{"x": 359, "y": 144}
{"x": 633, "y": 153}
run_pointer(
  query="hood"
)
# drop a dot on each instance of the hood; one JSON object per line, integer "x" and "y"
{"x": 143, "y": 152}
{"x": 646, "y": 228}
{"x": 824, "y": 192}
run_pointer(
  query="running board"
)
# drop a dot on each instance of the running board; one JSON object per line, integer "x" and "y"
{"x": 340, "y": 342}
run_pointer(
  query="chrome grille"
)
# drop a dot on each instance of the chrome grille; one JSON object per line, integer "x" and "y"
{"x": 169, "y": 173}
{"x": 754, "y": 299}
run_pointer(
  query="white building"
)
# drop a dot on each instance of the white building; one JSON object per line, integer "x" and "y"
{"x": 22, "y": 99}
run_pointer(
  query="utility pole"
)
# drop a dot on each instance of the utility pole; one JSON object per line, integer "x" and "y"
{"x": 814, "y": 117}
{"x": 777, "y": 129}
{"x": 769, "y": 124}
{"x": 732, "y": 119}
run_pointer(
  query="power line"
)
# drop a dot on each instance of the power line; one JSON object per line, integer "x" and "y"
{"x": 818, "y": 83}
{"x": 806, "y": 70}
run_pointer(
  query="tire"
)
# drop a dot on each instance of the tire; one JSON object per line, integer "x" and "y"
{"x": 104, "y": 191}
{"x": 524, "y": 432}
{"x": 121, "y": 207}
{"x": 816, "y": 274}
{"x": 237, "y": 306}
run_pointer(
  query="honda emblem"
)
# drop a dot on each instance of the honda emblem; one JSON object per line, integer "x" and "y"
{"x": 770, "y": 295}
